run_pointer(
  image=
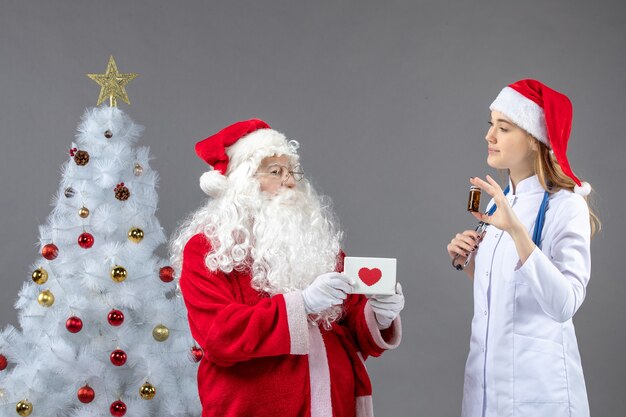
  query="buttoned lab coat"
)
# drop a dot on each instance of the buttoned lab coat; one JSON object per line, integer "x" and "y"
{"x": 523, "y": 358}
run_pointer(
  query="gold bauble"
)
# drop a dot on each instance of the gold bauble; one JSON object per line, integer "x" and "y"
{"x": 40, "y": 276}
{"x": 118, "y": 273}
{"x": 24, "y": 408}
{"x": 45, "y": 298}
{"x": 147, "y": 391}
{"x": 160, "y": 333}
{"x": 135, "y": 234}
{"x": 83, "y": 212}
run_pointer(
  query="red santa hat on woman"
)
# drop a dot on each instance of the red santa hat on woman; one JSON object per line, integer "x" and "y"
{"x": 544, "y": 113}
{"x": 248, "y": 140}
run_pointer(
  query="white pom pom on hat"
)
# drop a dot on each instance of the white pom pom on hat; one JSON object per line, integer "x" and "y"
{"x": 583, "y": 189}
{"x": 213, "y": 183}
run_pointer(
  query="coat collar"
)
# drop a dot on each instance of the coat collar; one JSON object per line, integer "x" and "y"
{"x": 526, "y": 186}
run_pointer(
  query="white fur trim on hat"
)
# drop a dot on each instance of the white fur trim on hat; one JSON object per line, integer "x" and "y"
{"x": 584, "y": 189}
{"x": 523, "y": 112}
{"x": 213, "y": 183}
{"x": 259, "y": 144}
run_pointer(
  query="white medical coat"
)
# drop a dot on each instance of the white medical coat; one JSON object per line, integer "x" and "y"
{"x": 523, "y": 358}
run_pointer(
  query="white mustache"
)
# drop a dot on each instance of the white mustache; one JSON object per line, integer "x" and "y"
{"x": 285, "y": 197}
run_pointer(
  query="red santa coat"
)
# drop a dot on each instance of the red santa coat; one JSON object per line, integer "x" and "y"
{"x": 262, "y": 358}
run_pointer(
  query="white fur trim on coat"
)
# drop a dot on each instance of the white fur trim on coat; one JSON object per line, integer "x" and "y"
{"x": 396, "y": 329}
{"x": 297, "y": 320}
{"x": 523, "y": 112}
{"x": 364, "y": 406}
{"x": 319, "y": 373}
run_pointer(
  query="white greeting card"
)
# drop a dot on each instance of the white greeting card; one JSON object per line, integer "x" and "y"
{"x": 372, "y": 275}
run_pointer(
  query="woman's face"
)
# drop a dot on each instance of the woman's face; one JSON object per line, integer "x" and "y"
{"x": 509, "y": 146}
{"x": 274, "y": 174}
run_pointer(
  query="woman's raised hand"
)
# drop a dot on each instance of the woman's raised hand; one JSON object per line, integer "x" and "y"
{"x": 504, "y": 218}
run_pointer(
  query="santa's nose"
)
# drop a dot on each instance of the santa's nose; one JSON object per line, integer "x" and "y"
{"x": 289, "y": 182}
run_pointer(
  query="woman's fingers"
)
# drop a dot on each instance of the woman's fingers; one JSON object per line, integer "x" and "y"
{"x": 490, "y": 186}
{"x": 473, "y": 234}
{"x": 454, "y": 250}
{"x": 462, "y": 247}
{"x": 494, "y": 183}
{"x": 483, "y": 185}
{"x": 466, "y": 241}
{"x": 462, "y": 244}
{"x": 482, "y": 217}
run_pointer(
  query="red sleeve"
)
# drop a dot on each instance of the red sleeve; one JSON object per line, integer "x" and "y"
{"x": 360, "y": 321}
{"x": 229, "y": 331}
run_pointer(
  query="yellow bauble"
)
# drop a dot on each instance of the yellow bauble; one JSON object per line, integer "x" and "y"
{"x": 40, "y": 276}
{"x": 135, "y": 234}
{"x": 118, "y": 273}
{"x": 45, "y": 298}
{"x": 83, "y": 212}
{"x": 160, "y": 333}
{"x": 147, "y": 391}
{"x": 24, "y": 408}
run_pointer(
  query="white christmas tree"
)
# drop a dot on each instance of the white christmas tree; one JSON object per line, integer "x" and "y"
{"x": 103, "y": 327}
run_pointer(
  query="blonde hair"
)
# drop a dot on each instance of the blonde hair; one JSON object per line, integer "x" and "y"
{"x": 552, "y": 179}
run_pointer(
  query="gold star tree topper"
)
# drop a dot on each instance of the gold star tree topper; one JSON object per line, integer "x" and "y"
{"x": 112, "y": 84}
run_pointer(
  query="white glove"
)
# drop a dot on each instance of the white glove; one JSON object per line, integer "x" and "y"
{"x": 387, "y": 307}
{"x": 325, "y": 291}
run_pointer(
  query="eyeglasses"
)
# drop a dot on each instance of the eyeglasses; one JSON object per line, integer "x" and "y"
{"x": 282, "y": 173}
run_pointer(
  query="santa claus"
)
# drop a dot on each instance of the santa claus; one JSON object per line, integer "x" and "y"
{"x": 261, "y": 277}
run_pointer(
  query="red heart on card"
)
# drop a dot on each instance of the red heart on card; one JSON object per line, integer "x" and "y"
{"x": 370, "y": 276}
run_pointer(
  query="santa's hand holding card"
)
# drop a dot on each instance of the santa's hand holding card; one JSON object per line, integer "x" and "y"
{"x": 387, "y": 307}
{"x": 325, "y": 291}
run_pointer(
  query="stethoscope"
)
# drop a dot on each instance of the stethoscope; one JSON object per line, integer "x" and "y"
{"x": 482, "y": 226}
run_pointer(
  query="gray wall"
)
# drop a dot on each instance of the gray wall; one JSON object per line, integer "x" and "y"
{"x": 389, "y": 100}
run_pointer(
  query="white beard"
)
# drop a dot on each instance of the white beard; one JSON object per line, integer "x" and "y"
{"x": 285, "y": 240}
{"x": 293, "y": 242}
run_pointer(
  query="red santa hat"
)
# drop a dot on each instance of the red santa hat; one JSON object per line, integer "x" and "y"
{"x": 224, "y": 151}
{"x": 544, "y": 113}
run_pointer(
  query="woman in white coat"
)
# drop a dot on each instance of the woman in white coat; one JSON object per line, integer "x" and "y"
{"x": 531, "y": 265}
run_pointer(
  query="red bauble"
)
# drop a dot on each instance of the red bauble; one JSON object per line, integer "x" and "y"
{"x": 118, "y": 408}
{"x": 85, "y": 240}
{"x": 86, "y": 394}
{"x": 115, "y": 318}
{"x": 196, "y": 354}
{"x": 74, "y": 324}
{"x": 118, "y": 357}
{"x": 166, "y": 274}
{"x": 3, "y": 362}
{"x": 50, "y": 251}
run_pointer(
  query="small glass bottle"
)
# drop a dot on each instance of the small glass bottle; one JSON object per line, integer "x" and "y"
{"x": 473, "y": 203}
